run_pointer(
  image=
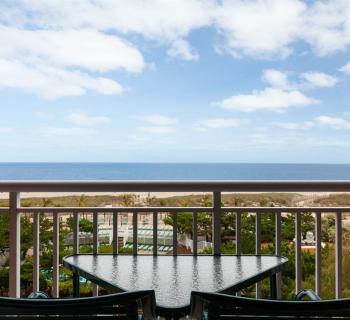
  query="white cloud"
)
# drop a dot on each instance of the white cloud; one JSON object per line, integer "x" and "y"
{"x": 276, "y": 78}
{"x": 54, "y": 64}
{"x": 345, "y": 68}
{"x": 49, "y": 42}
{"x": 280, "y": 95}
{"x": 319, "y": 79}
{"x": 157, "y": 129}
{"x": 63, "y": 131}
{"x": 82, "y": 119}
{"x": 87, "y": 49}
{"x": 327, "y": 26}
{"x": 264, "y": 28}
{"x": 333, "y": 122}
{"x": 221, "y": 123}
{"x": 272, "y": 28}
{"x": 313, "y": 79}
{"x": 166, "y": 22}
{"x": 294, "y": 125}
{"x": 154, "y": 19}
{"x": 158, "y": 120}
{"x": 272, "y": 99}
{"x": 52, "y": 83}
{"x": 181, "y": 48}
{"x": 255, "y": 28}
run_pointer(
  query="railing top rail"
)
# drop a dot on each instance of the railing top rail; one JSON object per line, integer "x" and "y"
{"x": 330, "y": 209}
{"x": 173, "y": 186}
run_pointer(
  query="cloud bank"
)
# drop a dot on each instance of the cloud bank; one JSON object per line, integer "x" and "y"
{"x": 53, "y": 52}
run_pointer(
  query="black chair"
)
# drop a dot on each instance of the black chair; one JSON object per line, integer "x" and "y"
{"x": 221, "y": 306}
{"x": 126, "y": 305}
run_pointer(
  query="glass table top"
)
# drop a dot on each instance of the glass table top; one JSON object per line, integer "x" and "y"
{"x": 174, "y": 277}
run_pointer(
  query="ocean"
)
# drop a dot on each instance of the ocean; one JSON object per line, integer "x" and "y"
{"x": 173, "y": 171}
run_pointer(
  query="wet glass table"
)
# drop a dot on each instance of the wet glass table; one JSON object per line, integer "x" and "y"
{"x": 174, "y": 277}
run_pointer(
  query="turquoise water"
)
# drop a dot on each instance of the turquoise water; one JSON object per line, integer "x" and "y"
{"x": 172, "y": 171}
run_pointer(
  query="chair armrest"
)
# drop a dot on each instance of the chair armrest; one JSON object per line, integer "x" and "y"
{"x": 38, "y": 295}
{"x": 146, "y": 297}
{"x": 197, "y": 305}
{"x": 149, "y": 306}
{"x": 307, "y": 293}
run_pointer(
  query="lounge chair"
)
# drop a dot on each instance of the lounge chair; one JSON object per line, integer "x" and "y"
{"x": 126, "y": 305}
{"x": 221, "y": 306}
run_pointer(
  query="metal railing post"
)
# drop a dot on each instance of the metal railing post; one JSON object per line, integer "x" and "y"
{"x": 15, "y": 245}
{"x": 76, "y": 278}
{"x": 95, "y": 245}
{"x": 217, "y": 222}
{"x": 115, "y": 233}
{"x": 75, "y": 232}
{"x": 174, "y": 233}
{"x": 56, "y": 256}
{"x": 258, "y": 248}
{"x": 238, "y": 232}
{"x": 297, "y": 252}
{"x": 278, "y": 251}
{"x": 155, "y": 233}
{"x": 338, "y": 255}
{"x": 195, "y": 233}
{"x": 134, "y": 233}
{"x": 318, "y": 257}
{"x": 36, "y": 250}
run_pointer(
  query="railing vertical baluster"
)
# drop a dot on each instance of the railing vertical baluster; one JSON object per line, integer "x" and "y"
{"x": 95, "y": 245}
{"x": 297, "y": 252}
{"x": 238, "y": 232}
{"x": 318, "y": 267}
{"x": 95, "y": 233}
{"x": 338, "y": 255}
{"x": 258, "y": 248}
{"x": 76, "y": 278}
{"x": 278, "y": 251}
{"x": 36, "y": 250}
{"x": 56, "y": 256}
{"x": 115, "y": 233}
{"x": 217, "y": 222}
{"x": 75, "y": 232}
{"x": 195, "y": 234}
{"x": 134, "y": 233}
{"x": 15, "y": 245}
{"x": 174, "y": 233}
{"x": 238, "y": 237}
{"x": 155, "y": 233}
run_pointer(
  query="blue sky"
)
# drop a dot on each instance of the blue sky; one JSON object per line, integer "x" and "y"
{"x": 174, "y": 81}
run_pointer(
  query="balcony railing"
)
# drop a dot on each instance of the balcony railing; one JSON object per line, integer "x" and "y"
{"x": 216, "y": 188}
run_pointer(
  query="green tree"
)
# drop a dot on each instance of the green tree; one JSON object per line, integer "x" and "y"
{"x": 184, "y": 222}
{"x": 85, "y": 225}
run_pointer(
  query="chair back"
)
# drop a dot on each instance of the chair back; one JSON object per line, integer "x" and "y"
{"x": 221, "y": 306}
{"x": 126, "y": 305}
